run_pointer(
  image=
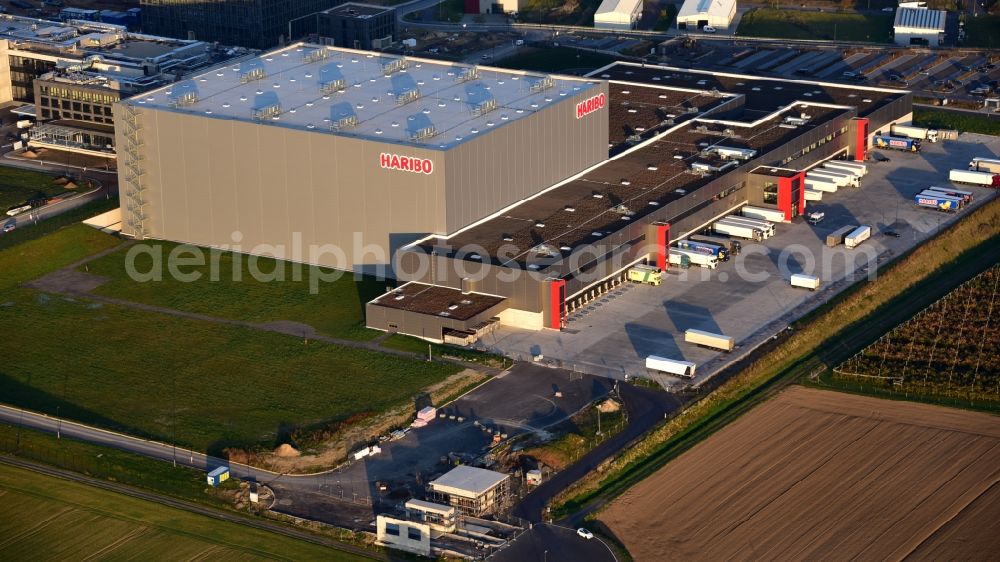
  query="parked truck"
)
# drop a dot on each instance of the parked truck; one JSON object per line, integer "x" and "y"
{"x": 985, "y": 165}
{"x": 958, "y": 201}
{"x": 738, "y": 230}
{"x": 647, "y": 274}
{"x": 860, "y": 169}
{"x": 987, "y": 179}
{"x": 720, "y": 252}
{"x": 842, "y": 179}
{"x": 734, "y": 246}
{"x": 836, "y": 237}
{"x": 810, "y": 282}
{"x": 672, "y": 366}
{"x": 909, "y": 131}
{"x": 966, "y": 196}
{"x": 772, "y": 215}
{"x": 700, "y": 259}
{"x": 857, "y": 236}
{"x": 941, "y": 202}
{"x": 708, "y": 339}
{"x": 897, "y": 143}
{"x": 826, "y": 185}
{"x": 766, "y": 227}
{"x": 677, "y": 258}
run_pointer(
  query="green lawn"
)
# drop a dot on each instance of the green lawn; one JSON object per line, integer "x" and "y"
{"x": 983, "y": 31}
{"x": 566, "y": 12}
{"x": 50, "y": 518}
{"x": 18, "y": 186}
{"x": 336, "y": 309}
{"x": 797, "y": 24}
{"x": 965, "y": 122}
{"x": 555, "y": 60}
{"x": 111, "y": 464}
{"x": 200, "y": 384}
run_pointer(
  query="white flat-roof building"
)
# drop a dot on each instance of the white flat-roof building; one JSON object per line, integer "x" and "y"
{"x": 696, "y": 14}
{"x": 618, "y": 14}
{"x": 473, "y": 491}
{"x": 919, "y": 26}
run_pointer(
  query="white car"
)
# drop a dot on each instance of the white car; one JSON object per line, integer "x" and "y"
{"x": 585, "y": 533}
{"x": 708, "y": 29}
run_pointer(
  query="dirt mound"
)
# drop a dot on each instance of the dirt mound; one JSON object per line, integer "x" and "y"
{"x": 609, "y": 406}
{"x": 285, "y": 450}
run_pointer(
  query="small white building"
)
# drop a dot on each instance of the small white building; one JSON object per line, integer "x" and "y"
{"x": 696, "y": 14}
{"x": 618, "y": 14}
{"x": 403, "y": 535}
{"x": 919, "y": 26}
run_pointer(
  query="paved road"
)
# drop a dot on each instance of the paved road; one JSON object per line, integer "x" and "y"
{"x": 645, "y": 408}
{"x": 552, "y": 543}
{"x": 107, "y": 190}
{"x": 238, "y": 519}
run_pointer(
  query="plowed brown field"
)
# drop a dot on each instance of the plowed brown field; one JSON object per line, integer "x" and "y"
{"x": 819, "y": 475}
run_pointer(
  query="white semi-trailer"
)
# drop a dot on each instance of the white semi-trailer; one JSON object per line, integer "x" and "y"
{"x": 957, "y": 202}
{"x": 810, "y": 282}
{"x": 849, "y": 179}
{"x": 847, "y": 165}
{"x": 930, "y": 135}
{"x": 832, "y": 167}
{"x": 813, "y": 195}
{"x": 672, "y": 366}
{"x": 700, "y": 259}
{"x": 766, "y": 227}
{"x": 857, "y": 236}
{"x": 985, "y": 165}
{"x": 966, "y": 196}
{"x": 841, "y": 180}
{"x": 817, "y": 184}
{"x": 773, "y": 215}
{"x": 708, "y": 339}
{"x": 737, "y": 230}
{"x": 988, "y": 179}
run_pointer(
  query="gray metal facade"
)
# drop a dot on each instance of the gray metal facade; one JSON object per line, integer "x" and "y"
{"x": 199, "y": 179}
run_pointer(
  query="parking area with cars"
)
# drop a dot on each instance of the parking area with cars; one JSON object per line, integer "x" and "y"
{"x": 750, "y": 297}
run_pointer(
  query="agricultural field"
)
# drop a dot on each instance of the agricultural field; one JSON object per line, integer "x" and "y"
{"x": 201, "y": 384}
{"x": 282, "y": 293}
{"x": 799, "y": 24}
{"x": 948, "y": 350}
{"x": 817, "y": 475}
{"x": 57, "y": 519}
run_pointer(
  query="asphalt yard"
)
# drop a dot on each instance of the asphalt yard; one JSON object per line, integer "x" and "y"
{"x": 750, "y": 298}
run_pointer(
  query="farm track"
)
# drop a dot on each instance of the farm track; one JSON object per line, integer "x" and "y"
{"x": 827, "y": 354}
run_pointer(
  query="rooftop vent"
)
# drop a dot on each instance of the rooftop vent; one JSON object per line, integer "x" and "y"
{"x": 621, "y": 209}
{"x": 485, "y": 107}
{"x": 252, "y": 74}
{"x": 315, "y": 55}
{"x": 330, "y": 86}
{"x": 408, "y": 96}
{"x": 187, "y": 98}
{"x": 425, "y": 133}
{"x": 394, "y": 66}
{"x": 471, "y": 73}
{"x": 345, "y": 123}
{"x": 543, "y": 84}
{"x": 265, "y": 112}
{"x": 569, "y": 209}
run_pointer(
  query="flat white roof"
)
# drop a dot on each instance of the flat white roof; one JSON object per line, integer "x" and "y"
{"x": 720, "y": 8}
{"x": 921, "y": 19}
{"x": 468, "y": 481}
{"x": 625, "y": 7}
{"x": 432, "y": 104}
{"x": 430, "y": 507}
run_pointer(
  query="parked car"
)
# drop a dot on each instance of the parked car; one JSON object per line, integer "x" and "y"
{"x": 892, "y": 233}
{"x": 708, "y": 29}
{"x": 9, "y": 226}
{"x": 816, "y": 218}
{"x": 585, "y": 533}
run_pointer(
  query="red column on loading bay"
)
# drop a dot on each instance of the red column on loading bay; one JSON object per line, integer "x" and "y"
{"x": 557, "y": 303}
{"x": 662, "y": 246}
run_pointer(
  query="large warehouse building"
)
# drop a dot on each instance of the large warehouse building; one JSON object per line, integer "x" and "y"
{"x": 312, "y": 146}
{"x": 498, "y": 196}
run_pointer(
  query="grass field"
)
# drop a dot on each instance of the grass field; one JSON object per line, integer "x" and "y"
{"x": 336, "y": 309}
{"x": 959, "y": 121}
{"x": 49, "y": 519}
{"x": 32, "y": 231}
{"x": 112, "y": 464}
{"x": 556, "y": 59}
{"x": 196, "y": 383}
{"x": 18, "y": 185}
{"x": 796, "y": 24}
{"x": 570, "y": 12}
{"x": 983, "y": 31}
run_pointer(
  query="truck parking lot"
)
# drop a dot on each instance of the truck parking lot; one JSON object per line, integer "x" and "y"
{"x": 750, "y": 297}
